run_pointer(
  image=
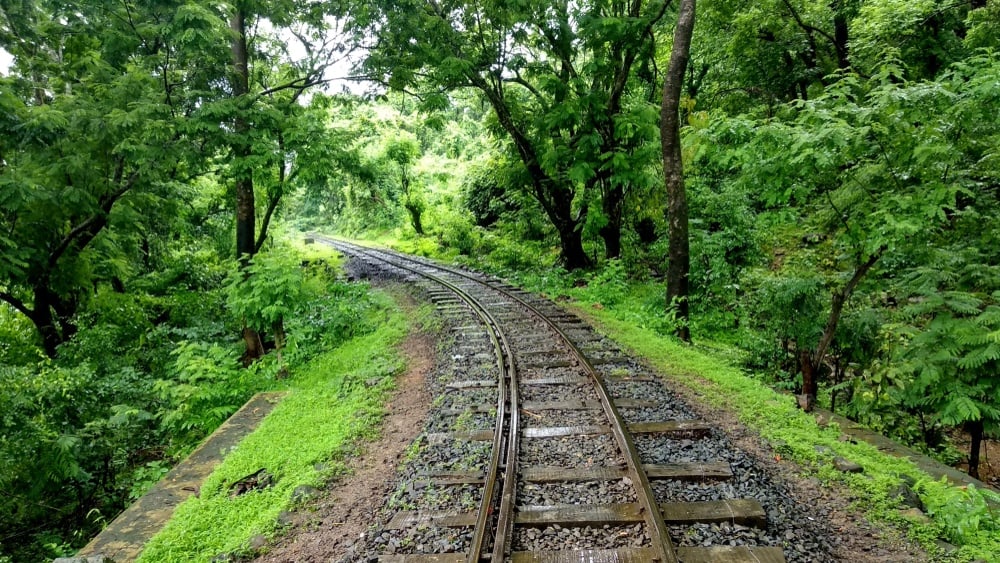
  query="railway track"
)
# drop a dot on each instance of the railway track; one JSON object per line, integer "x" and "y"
{"x": 553, "y": 445}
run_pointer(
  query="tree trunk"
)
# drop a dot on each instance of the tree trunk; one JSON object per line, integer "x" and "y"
{"x": 975, "y": 428}
{"x": 838, "y": 376}
{"x": 612, "y": 203}
{"x": 245, "y": 205}
{"x": 813, "y": 362}
{"x": 810, "y": 386}
{"x": 555, "y": 198}
{"x": 254, "y": 346}
{"x": 412, "y": 207}
{"x": 679, "y": 254}
{"x": 571, "y": 244}
{"x": 274, "y": 198}
{"x": 415, "y": 212}
{"x": 841, "y": 39}
{"x": 44, "y": 321}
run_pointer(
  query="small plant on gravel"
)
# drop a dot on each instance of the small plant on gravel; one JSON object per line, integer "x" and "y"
{"x": 463, "y": 422}
{"x": 468, "y": 501}
{"x": 400, "y": 500}
{"x": 413, "y": 450}
{"x": 619, "y": 372}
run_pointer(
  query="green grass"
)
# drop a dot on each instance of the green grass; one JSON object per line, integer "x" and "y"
{"x": 960, "y": 515}
{"x": 329, "y": 408}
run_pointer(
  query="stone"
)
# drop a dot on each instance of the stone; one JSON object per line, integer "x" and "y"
{"x": 823, "y": 450}
{"x": 304, "y": 492}
{"x": 805, "y": 402}
{"x": 946, "y": 548}
{"x": 88, "y": 559}
{"x": 257, "y": 480}
{"x": 285, "y": 518}
{"x": 847, "y": 466}
{"x": 915, "y": 515}
{"x": 822, "y": 419}
{"x": 257, "y": 542}
{"x": 907, "y": 496}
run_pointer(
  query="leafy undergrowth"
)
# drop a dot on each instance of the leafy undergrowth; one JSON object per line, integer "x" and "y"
{"x": 334, "y": 400}
{"x": 959, "y": 515}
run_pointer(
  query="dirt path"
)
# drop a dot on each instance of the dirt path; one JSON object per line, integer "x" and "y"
{"x": 328, "y": 527}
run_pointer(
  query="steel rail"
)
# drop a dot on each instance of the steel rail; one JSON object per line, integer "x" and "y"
{"x": 659, "y": 535}
{"x": 507, "y": 430}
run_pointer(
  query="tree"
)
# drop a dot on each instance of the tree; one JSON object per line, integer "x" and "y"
{"x": 263, "y": 95}
{"x": 755, "y": 55}
{"x": 951, "y": 353}
{"x": 91, "y": 120}
{"x": 877, "y": 170}
{"x": 557, "y": 77}
{"x": 679, "y": 259}
{"x": 402, "y": 151}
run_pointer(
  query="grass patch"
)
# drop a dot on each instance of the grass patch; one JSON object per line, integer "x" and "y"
{"x": 330, "y": 406}
{"x": 960, "y": 515}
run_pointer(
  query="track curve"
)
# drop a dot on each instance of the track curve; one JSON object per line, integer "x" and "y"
{"x": 562, "y": 382}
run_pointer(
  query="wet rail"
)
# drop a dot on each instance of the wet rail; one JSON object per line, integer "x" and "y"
{"x": 580, "y": 436}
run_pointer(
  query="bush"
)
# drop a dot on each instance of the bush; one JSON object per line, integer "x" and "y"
{"x": 65, "y": 451}
{"x": 205, "y": 385}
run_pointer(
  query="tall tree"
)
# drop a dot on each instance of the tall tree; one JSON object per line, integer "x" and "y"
{"x": 557, "y": 76}
{"x": 265, "y": 84}
{"x": 679, "y": 254}
{"x": 241, "y": 145}
{"x": 91, "y": 118}
{"x": 403, "y": 151}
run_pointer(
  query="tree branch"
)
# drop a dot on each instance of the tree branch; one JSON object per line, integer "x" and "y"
{"x": 272, "y": 205}
{"x": 89, "y": 228}
{"x": 518, "y": 79}
{"x": 300, "y": 83}
{"x": 838, "y": 301}
{"x": 809, "y": 29}
{"x": 16, "y": 303}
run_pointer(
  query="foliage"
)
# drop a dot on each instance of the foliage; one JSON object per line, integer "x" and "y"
{"x": 270, "y": 289}
{"x": 328, "y": 409}
{"x": 88, "y": 436}
{"x": 68, "y": 440}
{"x": 842, "y": 169}
{"x": 76, "y": 165}
{"x": 488, "y": 191}
{"x": 564, "y": 82}
{"x": 924, "y": 35}
{"x": 964, "y": 513}
{"x": 205, "y": 386}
